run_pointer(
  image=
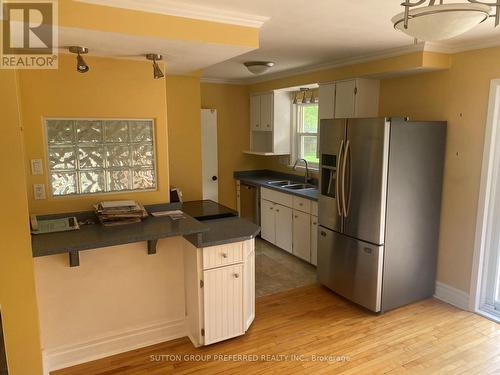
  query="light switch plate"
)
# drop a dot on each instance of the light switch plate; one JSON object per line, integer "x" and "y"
{"x": 39, "y": 191}
{"x": 36, "y": 167}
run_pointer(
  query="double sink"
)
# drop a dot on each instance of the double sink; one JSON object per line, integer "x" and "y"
{"x": 291, "y": 185}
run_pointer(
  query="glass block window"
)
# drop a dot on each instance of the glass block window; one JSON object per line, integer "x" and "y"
{"x": 89, "y": 156}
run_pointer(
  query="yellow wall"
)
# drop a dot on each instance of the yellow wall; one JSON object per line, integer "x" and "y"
{"x": 184, "y": 131}
{"x": 111, "y": 89}
{"x": 233, "y": 134}
{"x": 17, "y": 286}
{"x": 459, "y": 96}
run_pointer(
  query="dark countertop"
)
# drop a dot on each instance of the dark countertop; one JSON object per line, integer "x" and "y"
{"x": 223, "y": 231}
{"x": 261, "y": 177}
{"x": 96, "y": 235}
{"x": 227, "y": 228}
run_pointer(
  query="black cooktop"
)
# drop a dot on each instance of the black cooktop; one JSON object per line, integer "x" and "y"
{"x": 207, "y": 210}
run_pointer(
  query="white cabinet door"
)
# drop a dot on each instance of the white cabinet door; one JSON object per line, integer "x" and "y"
{"x": 255, "y": 112}
{"x": 249, "y": 287}
{"x": 267, "y": 221}
{"x": 302, "y": 235}
{"x": 266, "y": 111}
{"x": 314, "y": 240}
{"x": 223, "y": 303}
{"x": 345, "y": 99}
{"x": 284, "y": 227}
{"x": 326, "y": 101}
{"x": 209, "y": 163}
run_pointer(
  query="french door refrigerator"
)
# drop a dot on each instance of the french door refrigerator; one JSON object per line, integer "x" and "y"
{"x": 379, "y": 209}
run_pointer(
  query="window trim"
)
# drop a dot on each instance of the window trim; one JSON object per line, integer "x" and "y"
{"x": 296, "y": 136}
{"x": 82, "y": 195}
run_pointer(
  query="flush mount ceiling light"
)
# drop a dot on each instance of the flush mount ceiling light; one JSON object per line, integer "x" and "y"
{"x": 154, "y": 57}
{"x": 443, "y": 21}
{"x": 81, "y": 65}
{"x": 258, "y": 67}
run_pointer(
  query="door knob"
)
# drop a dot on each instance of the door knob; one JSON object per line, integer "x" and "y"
{"x": 214, "y": 178}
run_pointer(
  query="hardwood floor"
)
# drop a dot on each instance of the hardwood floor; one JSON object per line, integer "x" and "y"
{"x": 428, "y": 337}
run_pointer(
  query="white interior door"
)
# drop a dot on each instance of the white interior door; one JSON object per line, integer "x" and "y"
{"x": 209, "y": 161}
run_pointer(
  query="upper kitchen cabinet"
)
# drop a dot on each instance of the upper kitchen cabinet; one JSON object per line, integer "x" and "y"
{"x": 326, "y": 108}
{"x": 353, "y": 98}
{"x": 270, "y": 121}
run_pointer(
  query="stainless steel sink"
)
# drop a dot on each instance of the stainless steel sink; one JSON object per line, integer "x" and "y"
{"x": 279, "y": 183}
{"x": 299, "y": 187}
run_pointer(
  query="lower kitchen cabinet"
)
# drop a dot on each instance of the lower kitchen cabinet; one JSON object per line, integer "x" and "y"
{"x": 284, "y": 225}
{"x": 290, "y": 222}
{"x": 267, "y": 221}
{"x": 220, "y": 291}
{"x": 276, "y": 224}
{"x": 302, "y": 235}
{"x": 314, "y": 240}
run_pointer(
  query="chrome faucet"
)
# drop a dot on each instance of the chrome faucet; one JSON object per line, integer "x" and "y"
{"x": 306, "y": 176}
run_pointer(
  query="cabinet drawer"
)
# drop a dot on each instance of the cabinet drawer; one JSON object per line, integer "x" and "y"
{"x": 302, "y": 204}
{"x": 277, "y": 197}
{"x": 217, "y": 256}
{"x": 314, "y": 208}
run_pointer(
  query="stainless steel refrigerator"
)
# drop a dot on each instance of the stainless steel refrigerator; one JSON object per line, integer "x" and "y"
{"x": 379, "y": 209}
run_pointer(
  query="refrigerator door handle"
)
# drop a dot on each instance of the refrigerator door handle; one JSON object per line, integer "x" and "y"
{"x": 337, "y": 179}
{"x": 344, "y": 165}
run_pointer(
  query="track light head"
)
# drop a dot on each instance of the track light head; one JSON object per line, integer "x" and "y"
{"x": 81, "y": 65}
{"x": 154, "y": 57}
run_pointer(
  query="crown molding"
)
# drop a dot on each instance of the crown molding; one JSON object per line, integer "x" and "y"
{"x": 224, "y": 81}
{"x": 180, "y": 9}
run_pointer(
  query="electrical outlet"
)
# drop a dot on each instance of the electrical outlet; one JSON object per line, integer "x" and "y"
{"x": 36, "y": 167}
{"x": 39, "y": 191}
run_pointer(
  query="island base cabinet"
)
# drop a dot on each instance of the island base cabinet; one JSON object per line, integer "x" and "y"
{"x": 223, "y": 296}
{"x": 220, "y": 296}
{"x": 249, "y": 283}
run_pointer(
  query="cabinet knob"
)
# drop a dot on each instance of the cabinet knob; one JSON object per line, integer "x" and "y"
{"x": 323, "y": 233}
{"x": 268, "y": 126}
{"x": 277, "y": 210}
{"x": 270, "y": 208}
{"x": 314, "y": 223}
{"x": 236, "y": 275}
{"x": 224, "y": 255}
{"x": 296, "y": 217}
{"x": 256, "y": 125}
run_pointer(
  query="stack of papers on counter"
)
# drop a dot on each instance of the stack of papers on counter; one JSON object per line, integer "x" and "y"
{"x": 174, "y": 215}
{"x": 120, "y": 212}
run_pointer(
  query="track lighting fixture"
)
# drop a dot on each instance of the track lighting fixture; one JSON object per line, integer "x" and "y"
{"x": 154, "y": 57}
{"x": 81, "y": 65}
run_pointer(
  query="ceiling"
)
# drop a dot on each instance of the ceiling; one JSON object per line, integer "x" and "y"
{"x": 181, "y": 57}
{"x": 297, "y": 34}
{"x": 307, "y": 33}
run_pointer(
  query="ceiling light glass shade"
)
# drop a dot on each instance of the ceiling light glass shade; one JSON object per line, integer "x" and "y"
{"x": 439, "y": 22}
{"x": 258, "y": 67}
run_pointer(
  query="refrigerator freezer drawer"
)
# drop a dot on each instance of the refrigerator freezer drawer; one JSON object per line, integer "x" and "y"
{"x": 351, "y": 268}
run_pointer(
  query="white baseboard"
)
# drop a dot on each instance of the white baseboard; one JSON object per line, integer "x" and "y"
{"x": 453, "y": 296}
{"x": 112, "y": 343}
